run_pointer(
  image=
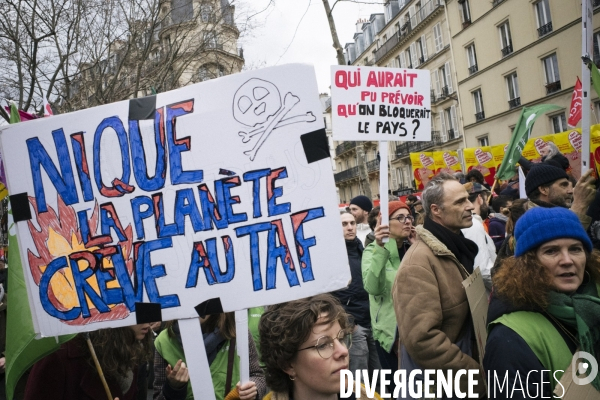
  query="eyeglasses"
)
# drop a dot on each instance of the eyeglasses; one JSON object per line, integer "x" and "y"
{"x": 403, "y": 218}
{"x": 325, "y": 344}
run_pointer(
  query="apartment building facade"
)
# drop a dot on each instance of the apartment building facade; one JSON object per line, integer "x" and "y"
{"x": 510, "y": 54}
{"x": 487, "y": 61}
{"x": 183, "y": 42}
{"x": 414, "y": 34}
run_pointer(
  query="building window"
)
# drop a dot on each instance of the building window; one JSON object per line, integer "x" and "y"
{"x": 203, "y": 74}
{"x": 437, "y": 37}
{"x": 559, "y": 123}
{"x": 505, "y": 39}
{"x": 206, "y": 13}
{"x": 483, "y": 141}
{"x": 472, "y": 58}
{"x": 408, "y": 56}
{"x": 544, "y": 20}
{"x": 414, "y": 58}
{"x": 514, "y": 99}
{"x": 445, "y": 80}
{"x": 551, "y": 73}
{"x": 210, "y": 38}
{"x": 478, "y": 101}
{"x": 422, "y": 49}
{"x": 465, "y": 13}
{"x": 449, "y": 124}
{"x": 596, "y": 48}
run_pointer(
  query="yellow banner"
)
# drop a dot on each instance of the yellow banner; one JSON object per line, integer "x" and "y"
{"x": 446, "y": 161}
{"x": 482, "y": 159}
{"x": 423, "y": 167}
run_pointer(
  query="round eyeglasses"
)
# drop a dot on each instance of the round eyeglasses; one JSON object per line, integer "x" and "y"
{"x": 403, "y": 218}
{"x": 325, "y": 344}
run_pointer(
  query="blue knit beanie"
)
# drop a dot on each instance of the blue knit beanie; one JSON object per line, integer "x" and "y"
{"x": 540, "y": 225}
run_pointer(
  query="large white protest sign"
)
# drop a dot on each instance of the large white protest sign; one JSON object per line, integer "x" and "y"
{"x": 224, "y": 191}
{"x": 370, "y": 103}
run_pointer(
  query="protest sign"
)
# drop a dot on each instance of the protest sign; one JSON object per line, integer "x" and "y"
{"x": 478, "y": 304}
{"x": 152, "y": 206}
{"x": 482, "y": 159}
{"x": 446, "y": 161}
{"x": 423, "y": 168}
{"x": 370, "y": 103}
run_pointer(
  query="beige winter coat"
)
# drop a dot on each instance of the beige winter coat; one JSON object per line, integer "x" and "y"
{"x": 431, "y": 307}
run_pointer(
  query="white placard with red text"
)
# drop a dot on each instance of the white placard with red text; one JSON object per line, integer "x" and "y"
{"x": 372, "y": 103}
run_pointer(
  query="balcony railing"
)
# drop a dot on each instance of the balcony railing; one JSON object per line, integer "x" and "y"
{"x": 507, "y": 50}
{"x": 545, "y": 29}
{"x": 479, "y": 116}
{"x": 405, "y": 30}
{"x": 434, "y": 99}
{"x": 373, "y": 165}
{"x": 553, "y": 87}
{"x": 444, "y": 93}
{"x": 496, "y": 2}
{"x": 343, "y": 147}
{"x": 404, "y": 149}
{"x": 466, "y": 23}
{"x": 216, "y": 46}
{"x": 346, "y": 174}
{"x": 453, "y": 134}
{"x": 516, "y": 102}
{"x": 421, "y": 60}
{"x": 597, "y": 58}
{"x": 596, "y": 3}
{"x": 472, "y": 69}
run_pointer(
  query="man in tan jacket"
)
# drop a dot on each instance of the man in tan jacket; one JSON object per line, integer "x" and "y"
{"x": 432, "y": 311}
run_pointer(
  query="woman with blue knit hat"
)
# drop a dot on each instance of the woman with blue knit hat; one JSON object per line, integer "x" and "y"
{"x": 545, "y": 307}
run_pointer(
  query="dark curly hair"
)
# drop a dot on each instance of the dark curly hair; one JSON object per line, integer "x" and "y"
{"x": 525, "y": 282}
{"x": 118, "y": 351}
{"x": 284, "y": 327}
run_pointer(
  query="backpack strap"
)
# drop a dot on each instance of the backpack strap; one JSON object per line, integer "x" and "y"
{"x": 230, "y": 362}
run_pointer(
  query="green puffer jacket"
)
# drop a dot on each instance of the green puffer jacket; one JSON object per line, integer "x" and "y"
{"x": 379, "y": 267}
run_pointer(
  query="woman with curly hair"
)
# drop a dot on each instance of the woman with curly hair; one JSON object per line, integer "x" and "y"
{"x": 70, "y": 372}
{"x": 304, "y": 347}
{"x": 171, "y": 378}
{"x": 546, "y": 305}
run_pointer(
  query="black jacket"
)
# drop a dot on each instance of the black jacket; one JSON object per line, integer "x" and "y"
{"x": 506, "y": 353}
{"x": 354, "y": 298}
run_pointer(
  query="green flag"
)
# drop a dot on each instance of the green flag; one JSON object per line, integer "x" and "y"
{"x": 595, "y": 78}
{"x": 22, "y": 348}
{"x": 14, "y": 114}
{"x": 519, "y": 137}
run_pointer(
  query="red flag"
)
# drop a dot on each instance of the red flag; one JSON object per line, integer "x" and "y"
{"x": 575, "y": 113}
{"x": 47, "y": 109}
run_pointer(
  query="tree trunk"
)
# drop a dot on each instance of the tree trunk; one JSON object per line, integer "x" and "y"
{"x": 363, "y": 174}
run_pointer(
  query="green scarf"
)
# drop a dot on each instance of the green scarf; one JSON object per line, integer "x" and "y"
{"x": 581, "y": 311}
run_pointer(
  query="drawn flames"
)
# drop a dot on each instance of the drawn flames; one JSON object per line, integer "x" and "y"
{"x": 59, "y": 236}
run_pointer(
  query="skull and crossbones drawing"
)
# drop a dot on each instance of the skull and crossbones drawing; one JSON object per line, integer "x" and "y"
{"x": 257, "y": 104}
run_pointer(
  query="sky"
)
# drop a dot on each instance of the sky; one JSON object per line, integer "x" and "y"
{"x": 292, "y": 31}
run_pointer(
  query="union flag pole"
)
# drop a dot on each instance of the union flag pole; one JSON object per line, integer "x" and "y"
{"x": 587, "y": 50}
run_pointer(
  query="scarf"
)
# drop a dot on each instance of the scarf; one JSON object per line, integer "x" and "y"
{"x": 463, "y": 249}
{"x": 213, "y": 341}
{"x": 544, "y": 204}
{"x": 580, "y": 311}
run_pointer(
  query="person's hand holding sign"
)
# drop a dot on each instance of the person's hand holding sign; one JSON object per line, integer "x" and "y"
{"x": 381, "y": 231}
{"x": 178, "y": 376}
{"x": 247, "y": 391}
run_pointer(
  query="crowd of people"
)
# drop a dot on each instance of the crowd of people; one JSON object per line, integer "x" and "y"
{"x": 405, "y": 308}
